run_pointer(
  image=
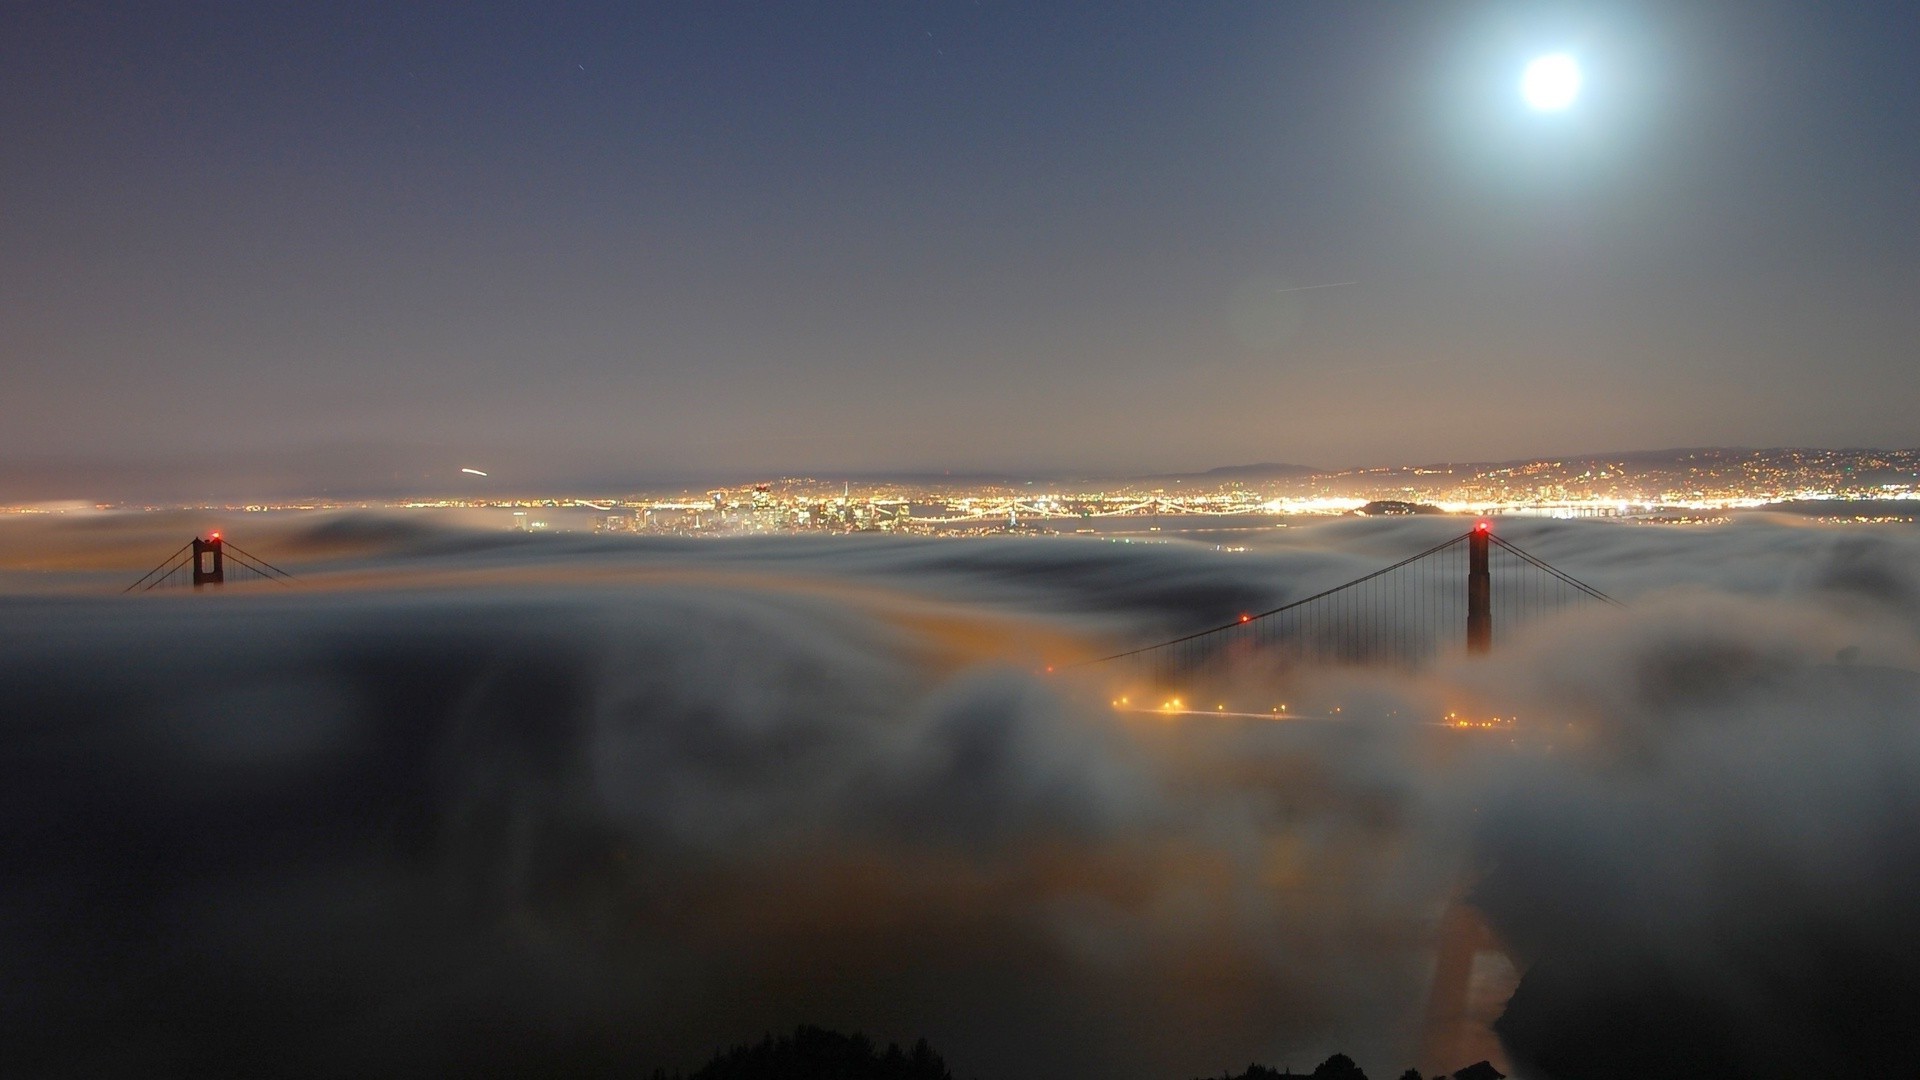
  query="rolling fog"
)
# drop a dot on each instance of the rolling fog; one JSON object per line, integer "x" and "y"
{"x": 479, "y": 803}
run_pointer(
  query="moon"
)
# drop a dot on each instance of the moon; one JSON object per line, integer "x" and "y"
{"x": 1551, "y": 83}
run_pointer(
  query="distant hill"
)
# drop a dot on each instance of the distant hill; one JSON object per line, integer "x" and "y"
{"x": 1273, "y": 470}
{"x": 1262, "y": 470}
{"x": 1671, "y": 456}
{"x": 1846, "y": 508}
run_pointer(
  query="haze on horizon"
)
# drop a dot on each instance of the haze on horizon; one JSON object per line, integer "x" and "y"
{"x": 346, "y": 243}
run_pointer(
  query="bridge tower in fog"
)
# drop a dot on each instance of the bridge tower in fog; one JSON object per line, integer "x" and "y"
{"x": 1404, "y": 614}
{"x": 1479, "y": 591}
{"x": 209, "y": 561}
{"x": 204, "y": 562}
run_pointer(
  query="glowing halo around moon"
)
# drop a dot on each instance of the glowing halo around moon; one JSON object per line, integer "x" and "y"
{"x": 1551, "y": 83}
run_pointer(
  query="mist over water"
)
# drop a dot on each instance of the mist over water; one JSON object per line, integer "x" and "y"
{"x": 535, "y": 805}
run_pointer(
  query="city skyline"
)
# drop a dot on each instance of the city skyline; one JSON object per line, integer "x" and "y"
{"x": 1685, "y": 477}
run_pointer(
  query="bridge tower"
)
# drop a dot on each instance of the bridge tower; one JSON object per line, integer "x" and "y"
{"x": 209, "y": 561}
{"x": 1479, "y": 591}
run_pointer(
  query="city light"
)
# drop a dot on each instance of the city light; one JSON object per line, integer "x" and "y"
{"x": 1692, "y": 487}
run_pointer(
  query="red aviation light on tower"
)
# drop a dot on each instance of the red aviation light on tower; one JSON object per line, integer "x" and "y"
{"x": 213, "y": 536}
{"x": 1483, "y": 526}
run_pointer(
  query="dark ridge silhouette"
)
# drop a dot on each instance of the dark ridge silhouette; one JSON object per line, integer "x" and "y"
{"x": 1342, "y": 1067}
{"x": 1337, "y": 1067}
{"x": 812, "y": 1053}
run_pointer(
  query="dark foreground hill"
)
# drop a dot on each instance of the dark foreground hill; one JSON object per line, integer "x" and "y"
{"x": 1342, "y": 1067}
{"x": 812, "y": 1053}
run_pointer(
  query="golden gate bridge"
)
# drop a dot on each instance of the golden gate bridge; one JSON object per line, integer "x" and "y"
{"x": 1442, "y": 601}
{"x": 201, "y": 562}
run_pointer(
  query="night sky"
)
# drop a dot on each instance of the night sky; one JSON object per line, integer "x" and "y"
{"x": 338, "y": 244}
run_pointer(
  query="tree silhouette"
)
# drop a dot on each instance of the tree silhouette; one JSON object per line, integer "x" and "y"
{"x": 812, "y": 1053}
{"x": 1338, "y": 1067}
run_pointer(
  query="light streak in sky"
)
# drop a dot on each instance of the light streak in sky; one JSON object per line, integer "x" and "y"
{"x": 1328, "y": 285}
{"x": 475, "y": 472}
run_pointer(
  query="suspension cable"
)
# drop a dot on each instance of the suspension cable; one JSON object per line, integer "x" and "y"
{"x": 1236, "y": 624}
{"x": 1562, "y": 575}
{"x": 164, "y": 565}
{"x": 247, "y": 559}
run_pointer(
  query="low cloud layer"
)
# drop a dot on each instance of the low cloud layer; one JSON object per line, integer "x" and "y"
{"x": 1715, "y": 873}
{"x": 467, "y": 802}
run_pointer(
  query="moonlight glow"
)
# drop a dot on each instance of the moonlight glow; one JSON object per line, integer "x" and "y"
{"x": 1551, "y": 82}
